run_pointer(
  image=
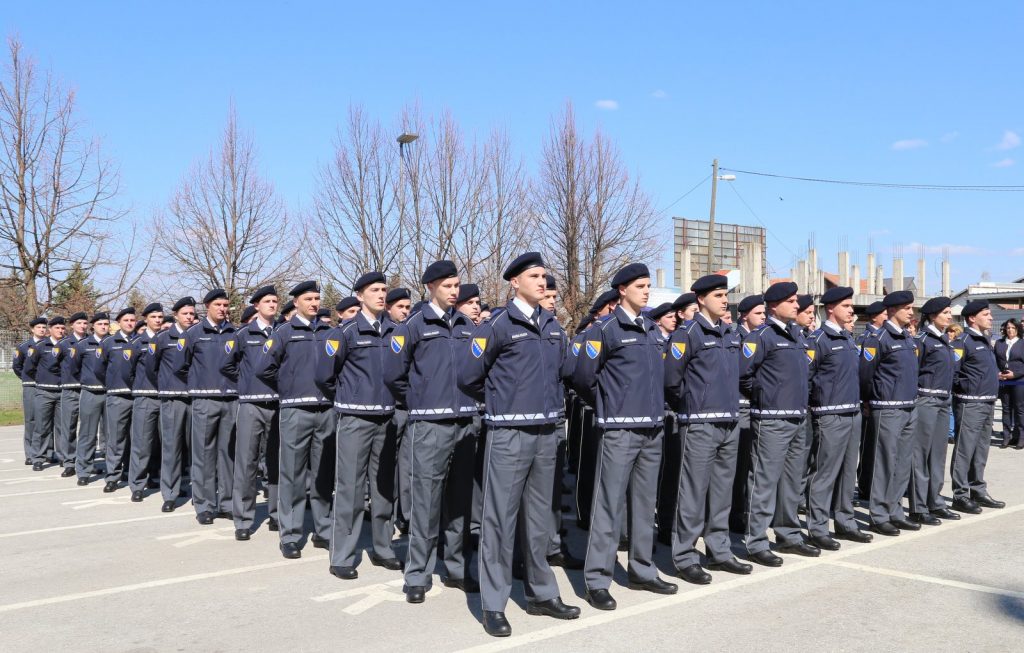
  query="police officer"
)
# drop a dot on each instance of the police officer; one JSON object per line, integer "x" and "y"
{"x": 421, "y": 371}
{"x": 24, "y": 368}
{"x": 751, "y": 314}
{"x": 888, "y": 380}
{"x": 307, "y": 422}
{"x": 774, "y": 373}
{"x": 346, "y": 309}
{"x": 145, "y": 438}
{"x": 208, "y": 344}
{"x": 287, "y": 312}
{"x": 835, "y": 418}
{"x": 519, "y": 381}
{"x": 937, "y": 360}
{"x": 685, "y": 307}
{"x": 668, "y": 479}
{"x": 175, "y": 404}
{"x": 399, "y": 305}
{"x": 70, "y": 391}
{"x": 93, "y": 395}
{"x": 702, "y": 383}
{"x": 115, "y": 363}
{"x": 975, "y": 390}
{"x": 256, "y": 422}
{"x": 876, "y": 316}
{"x": 621, "y": 374}
{"x": 664, "y": 317}
{"x": 47, "y": 400}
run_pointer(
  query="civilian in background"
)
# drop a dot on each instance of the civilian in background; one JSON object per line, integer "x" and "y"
{"x": 1010, "y": 359}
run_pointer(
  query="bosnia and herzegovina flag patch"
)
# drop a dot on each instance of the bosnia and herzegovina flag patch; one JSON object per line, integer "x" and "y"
{"x": 957, "y": 354}
{"x": 869, "y": 353}
{"x": 478, "y": 347}
{"x": 229, "y": 346}
{"x": 811, "y": 353}
{"x": 331, "y": 347}
{"x": 749, "y": 349}
{"x": 181, "y": 344}
{"x": 267, "y": 345}
{"x": 152, "y": 348}
{"x": 576, "y": 348}
{"x": 397, "y": 343}
{"x": 593, "y": 348}
{"x": 678, "y": 350}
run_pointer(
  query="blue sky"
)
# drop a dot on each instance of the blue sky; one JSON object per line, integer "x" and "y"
{"x": 892, "y": 92}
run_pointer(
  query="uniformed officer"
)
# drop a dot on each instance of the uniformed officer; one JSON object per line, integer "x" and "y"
{"x": 685, "y": 307}
{"x": 208, "y": 344}
{"x": 421, "y": 370}
{"x": 256, "y": 426}
{"x": 702, "y": 382}
{"x": 622, "y": 376}
{"x": 804, "y": 321}
{"x": 975, "y": 390}
{"x": 519, "y": 382}
{"x": 307, "y": 422}
{"x": 468, "y": 302}
{"x": 324, "y": 316}
{"x": 888, "y": 380}
{"x": 751, "y": 314}
{"x": 145, "y": 439}
{"x": 876, "y": 316}
{"x": 70, "y": 391}
{"x": 664, "y": 317}
{"x": 175, "y": 404}
{"x": 668, "y": 479}
{"x": 93, "y": 395}
{"x": 835, "y": 417}
{"x": 249, "y": 314}
{"x": 24, "y": 368}
{"x": 937, "y": 358}
{"x": 115, "y": 363}
{"x": 399, "y": 305}
{"x": 287, "y": 312}
{"x": 773, "y": 374}
{"x": 48, "y": 380}
{"x": 346, "y": 309}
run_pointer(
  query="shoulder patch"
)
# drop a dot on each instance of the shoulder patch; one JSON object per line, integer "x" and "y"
{"x": 152, "y": 348}
{"x": 229, "y": 346}
{"x": 478, "y": 347}
{"x": 958, "y": 353}
{"x": 99, "y": 352}
{"x": 31, "y": 351}
{"x": 576, "y": 346}
{"x": 397, "y": 344}
{"x": 869, "y": 353}
{"x": 127, "y": 353}
{"x": 71, "y": 352}
{"x": 181, "y": 344}
{"x": 331, "y": 347}
{"x": 267, "y": 345}
{"x": 593, "y": 348}
{"x": 17, "y": 352}
{"x": 749, "y": 349}
{"x": 811, "y": 353}
{"x": 678, "y": 350}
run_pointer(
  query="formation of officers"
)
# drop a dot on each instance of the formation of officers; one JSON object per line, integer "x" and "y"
{"x": 458, "y": 425}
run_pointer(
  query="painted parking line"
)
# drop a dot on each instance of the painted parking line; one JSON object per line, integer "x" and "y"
{"x": 73, "y": 527}
{"x": 974, "y": 587}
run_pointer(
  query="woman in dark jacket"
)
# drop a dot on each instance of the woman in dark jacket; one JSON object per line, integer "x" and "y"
{"x": 1010, "y": 359}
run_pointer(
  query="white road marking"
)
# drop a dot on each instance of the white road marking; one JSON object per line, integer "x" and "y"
{"x": 85, "y": 504}
{"x": 374, "y": 594}
{"x": 974, "y": 587}
{"x": 38, "y": 478}
{"x": 57, "y": 529}
{"x": 63, "y": 489}
{"x": 198, "y": 537}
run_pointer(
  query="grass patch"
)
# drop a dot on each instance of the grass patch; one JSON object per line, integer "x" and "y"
{"x": 11, "y": 417}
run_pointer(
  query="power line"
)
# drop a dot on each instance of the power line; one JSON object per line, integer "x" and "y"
{"x": 680, "y": 198}
{"x": 879, "y": 184}
{"x": 761, "y": 222}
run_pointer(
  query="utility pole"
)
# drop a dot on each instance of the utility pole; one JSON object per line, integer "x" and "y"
{"x": 711, "y": 220}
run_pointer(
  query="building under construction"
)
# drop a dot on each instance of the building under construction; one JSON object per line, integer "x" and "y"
{"x": 736, "y": 247}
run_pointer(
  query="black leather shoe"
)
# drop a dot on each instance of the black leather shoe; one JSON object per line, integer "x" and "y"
{"x": 137, "y": 496}
{"x": 824, "y": 542}
{"x": 966, "y": 505}
{"x": 111, "y": 486}
{"x": 272, "y": 525}
{"x": 83, "y": 480}
{"x": 242, "y": 534}
{"x": 68, "y": 471}
{"x": 655, "y": 586}
{"x": 985, "y": 501}
{"x": 885, "y": 528}
{"x": 168, "y": 506}
{"x": 518, "y": 572}
{"x": 496, "y": 625}
{"x": 37, "y": 467}
{"x": 600, "y": 599}
{"x": 388, "y": 563}
{"x": 565, "y": 560}
{"x": 415, "y": 594}
{"x": 800, "y": 549}
{"x": 694, "y": 574}
{"x": 946, "y": 513}
{"x": 553, "y": 608}
{"x": 732, "y": 566}
{"x": 402, "y": 525}
{"x": 925, "y": 518}
{"x": 905, "y": 525}
{"x": 320, "y": 542}
{"x": 624, "y": 544}
{"x": 290, "y": 550}
{"x": 854, "y": 536}
{"x": 766, "y": 558}
{"x": 205, "y": 518}
{"x": 224, "y": 514}
{"x": 345, "y": 573}
{"x": 28, "y": 461}
{"x": 467, "y": 585}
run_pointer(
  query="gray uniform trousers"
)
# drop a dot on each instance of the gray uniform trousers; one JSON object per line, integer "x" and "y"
{"x": 928, "y": 456}
{"x": 307, "y": 464}
{"x": 145, "y": 438}
{"x": 256, "y": 427}
{"x": 91, "y": 408}
{"x": 442, "y": 456}
{"x": 709, "y": 452}
{"x": 893, "y": 430}
{"x": 28, "y": 404}
{"x": 778, "y": 460}
{"x": 555, "y": 541}
{"x": 970, "y": 450}
{"x": 836, "y": 447}
{"x": 519, "y": 470}
{"x": 740, "y": 502}
{"x": 175, "y": 431}
{"x": 117, "y": 414}
{"x": 627, "y": 469}
{"x": 47, "y": 417}
{"x": 68, "y": 432}
{"x": 363, "y": 453}
{"x": 399, "y": 421}
{"x": 213, "y": 425}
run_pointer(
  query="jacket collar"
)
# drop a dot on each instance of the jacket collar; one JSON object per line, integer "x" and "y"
{"x": 893, "y": 330}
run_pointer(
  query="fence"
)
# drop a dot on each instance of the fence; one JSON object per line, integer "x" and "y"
{"x": 10, "y": 386}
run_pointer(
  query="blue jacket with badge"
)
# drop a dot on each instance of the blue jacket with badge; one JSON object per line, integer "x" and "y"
{"x": 937, "y": 359}
{"x": 115, "y": 362}
{"x": 888, "y": 368}
{"x": 46, "y": 360}
{"x": 513, "y": 371}
{"x": 422, "y": 368}
{"x": 702, "y": 372}
{"x": 70, "y": 370}
{"x": 205, "y": 350}
{"x": 350, "y": 369}
{"x": 240, "y": 365}
{"x": 143, "y": 348}
{"x": 774, "y": 371}
{"x": 90, "y": 368}
{"x": 169, "y": 355}
{"x": 834, "y": 372}
{"x": 977, "y": 378}
{"x": 22, "y": 355}
{"x": 289, "y": 361}
{"x": 621, "y": 372}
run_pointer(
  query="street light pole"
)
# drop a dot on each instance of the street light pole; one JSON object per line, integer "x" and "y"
{"x": 403, "y": 140}
{"x": 711, "y": 219}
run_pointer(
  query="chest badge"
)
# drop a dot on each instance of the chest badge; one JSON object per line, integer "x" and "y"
{"x": 229, "y": 346}
{"x": 869, "y": 353}
{"x": 957, "y": 354}
{"x": 478, "y": 347}
{"x": 576, "y": 349}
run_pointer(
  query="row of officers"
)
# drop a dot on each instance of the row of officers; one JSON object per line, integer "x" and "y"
{"x": 679, "y": 423}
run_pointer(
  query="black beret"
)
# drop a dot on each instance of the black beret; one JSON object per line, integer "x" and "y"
{"x": 96, "y": 317}
{"x": 467, "y": 291}
{"x": 803, "y": 302}
{"x": 584, "y": 323}
{"x": 215, "y": 294}
{"x": 552, "y": 284}
{"x": 439, "y": 270}
{"x": 367, "y": 279}
{"x": 182, "y": 303}
{"x": 836, "y": 295}
{"x": 684, "y": 300}
{"x": 898, "y": 298}
{"x": 974, "y": 307}
{"x": 303, "y": 288}
{"x": 55, "y": 320}
{"x": 346, "y": 303}
{"x": 247, "y": 313}
{"x": 780, "y": 291}
{"x": 875, "y": 308}
{"x": 630, "y": 273}
{"x": 605, "y": 298}
{"x": 288, "y": 307}
{"x": 397, "y": 295}
{"x": 155, "y": 307}
{"x": 130, "y": 310}
{"x": 936, "y": 305}
{"x": 523, "y": 263}
{"x": 748, "y": 304}
{"x": 710, "y": 282}
{"x": 323, "y": 312}
{"x": 659, "y": 311}
{"x": 80, "y": 315}
{"x": 37, "y": 321}
{"x": 262, "y": 292}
